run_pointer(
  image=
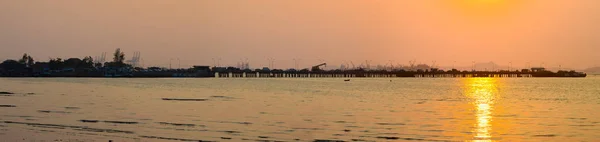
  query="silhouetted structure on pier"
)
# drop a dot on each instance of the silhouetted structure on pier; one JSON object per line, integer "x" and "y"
{"x": 534, "y": 72}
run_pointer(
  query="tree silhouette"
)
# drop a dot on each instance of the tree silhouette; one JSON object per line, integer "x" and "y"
{"x": 30, "y": 61}
{"x": 26, "y": 60}
{"x": 56, "y": 64}
{"x": 119, "y": 56}
{"x": 12, "y": 65}
{"x": 72, "y": 63}
{"x": 87, "y": 62}
{"x": 118, "y": 59}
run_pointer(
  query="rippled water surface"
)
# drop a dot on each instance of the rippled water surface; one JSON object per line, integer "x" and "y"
{"x": 398, "y": 109}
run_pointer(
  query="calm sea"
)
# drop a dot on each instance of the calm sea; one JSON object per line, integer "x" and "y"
{"x": 397, "y": 109}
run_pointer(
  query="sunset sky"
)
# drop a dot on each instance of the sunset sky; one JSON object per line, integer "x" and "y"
{"x": 565, "y": 32}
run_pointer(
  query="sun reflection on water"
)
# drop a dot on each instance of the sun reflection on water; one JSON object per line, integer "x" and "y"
{"x": 482, "y": 92}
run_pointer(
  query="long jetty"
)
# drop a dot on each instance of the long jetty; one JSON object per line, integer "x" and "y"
{"x": 384, "y": 74}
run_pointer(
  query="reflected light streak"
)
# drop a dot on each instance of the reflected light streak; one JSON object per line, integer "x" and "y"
{"x": 482, "y": 92}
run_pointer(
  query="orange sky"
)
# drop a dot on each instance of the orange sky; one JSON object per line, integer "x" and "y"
{"x": 552, "y": 31}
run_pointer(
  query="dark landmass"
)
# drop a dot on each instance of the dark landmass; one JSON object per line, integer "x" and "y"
{"x": 88, "y": 67}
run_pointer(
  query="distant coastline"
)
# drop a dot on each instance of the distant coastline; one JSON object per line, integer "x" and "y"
{"x": 87, "y": 67}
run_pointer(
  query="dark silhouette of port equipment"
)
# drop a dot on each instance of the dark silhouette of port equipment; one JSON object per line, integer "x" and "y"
{"x": 317, "y": 68}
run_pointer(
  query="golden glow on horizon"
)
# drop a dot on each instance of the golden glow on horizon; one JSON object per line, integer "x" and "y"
{"x": 481, "y": 4}
{"x": 482, "y": 92}
{"x": 484, "y": 8}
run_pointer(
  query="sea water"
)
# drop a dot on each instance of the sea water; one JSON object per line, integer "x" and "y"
{"x": 292, "y": 109}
